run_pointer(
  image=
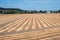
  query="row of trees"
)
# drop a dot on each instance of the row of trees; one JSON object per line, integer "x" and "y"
{"x": 16, "y": 11}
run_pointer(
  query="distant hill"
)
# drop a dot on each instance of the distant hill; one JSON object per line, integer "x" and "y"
{"x": 2, "y": 8}
{"x": 20, "y": 11}
{"x": 10, "y": 10}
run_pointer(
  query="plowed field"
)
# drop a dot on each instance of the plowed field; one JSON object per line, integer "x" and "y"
{"x": 30, "y": 27}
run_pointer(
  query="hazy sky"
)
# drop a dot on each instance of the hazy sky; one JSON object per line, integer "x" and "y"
{"x": 31, "y": 4}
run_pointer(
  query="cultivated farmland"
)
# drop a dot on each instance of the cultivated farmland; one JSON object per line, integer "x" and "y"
{"x": 29, "y": 26}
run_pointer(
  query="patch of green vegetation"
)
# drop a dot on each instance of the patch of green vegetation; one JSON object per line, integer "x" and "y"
{"x": 20, "y": 11}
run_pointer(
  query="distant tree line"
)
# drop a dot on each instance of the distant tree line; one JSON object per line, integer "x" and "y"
{"x": 20, "y": 11}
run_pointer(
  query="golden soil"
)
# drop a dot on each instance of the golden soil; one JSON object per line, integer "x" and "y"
{"x": 30, "y": 27}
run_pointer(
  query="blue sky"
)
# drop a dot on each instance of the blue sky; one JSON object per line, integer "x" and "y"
{"x": 31, "y": 4}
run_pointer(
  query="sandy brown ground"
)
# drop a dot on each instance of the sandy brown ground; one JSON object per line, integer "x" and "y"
{"x": 30, "y": 27}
